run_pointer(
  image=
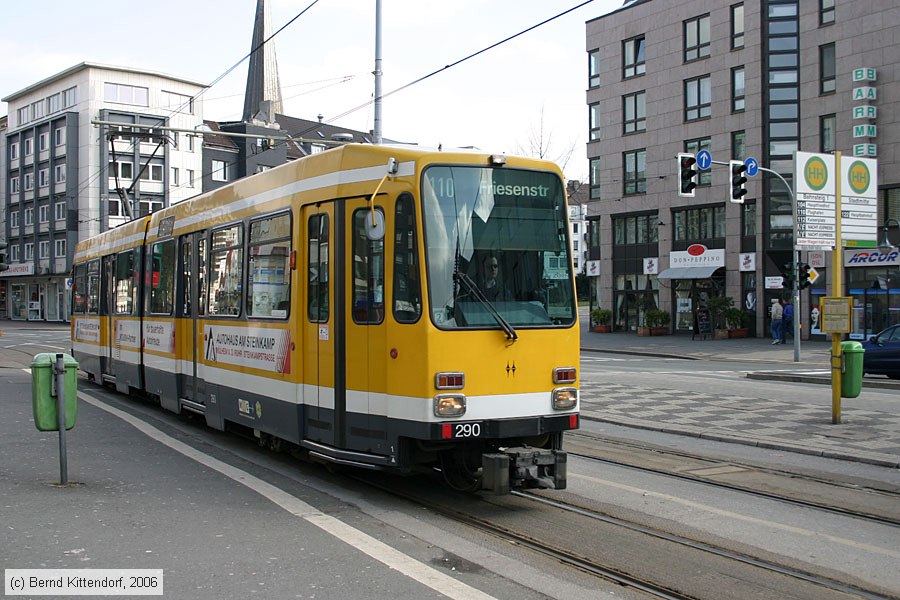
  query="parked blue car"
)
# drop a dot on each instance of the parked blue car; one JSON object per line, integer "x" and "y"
{"x": 882, "y": 355}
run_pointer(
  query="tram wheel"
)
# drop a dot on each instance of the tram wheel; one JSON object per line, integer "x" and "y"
{"x": 459, "y": 474}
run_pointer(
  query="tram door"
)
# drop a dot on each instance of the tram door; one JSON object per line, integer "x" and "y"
{"x": 191, "y": 311}
{"x": 320, "y": 326}
{"x": 366, "y": 352}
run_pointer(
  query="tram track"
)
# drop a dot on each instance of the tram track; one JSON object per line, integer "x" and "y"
{"x": 822, "y": 586}
{"x": 861, "y": 501}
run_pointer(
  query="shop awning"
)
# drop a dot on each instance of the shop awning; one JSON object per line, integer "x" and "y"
{"x": 687, "y": 273}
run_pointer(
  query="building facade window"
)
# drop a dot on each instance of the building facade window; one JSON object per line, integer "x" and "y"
{"x": 826, "y": 69}
{"x": 151, "y": 172}
{"x": 633, "y": 57}
{"x": 14, "y": 253}
{"x": 695, "y": 146}
{"x": 190, "y": 177}
{"x": 827, "y": 125}
{"x": 174, "y": 176}
{"x": 29, "y": 251}
{"x": 29, "y": 216}
{"x": 59, "y": 136}
{"x": 29, "y": 181}
{"x": 737, "y": 89}
{"x": 748, "y": 219}
{"x": 43, "y": 177}
{"x": 60, "y": 248}
{"x": 594, "y": 68}
{"x": 13, "y": 185}
{"x": 14, "y": 218}
{"x": 44, "y": 249}
{"x": 29, "y": 146}
{"x": 637, "y": 229}
{"x": 60, "y": 173}
{"x": 738, "y": 145}
{"x": 635, "y": 109}
{"x": 696, "y": 38}
{"x": 23, "y": 115}
{"x": 14, "y": 151}
{"x": 59, "y": 211}
{"x": 634, "y": 172}
{"x": 44, "y": 213}
{"x": 697, "y": 98}
{"x": 43, "y": 142}
{"x": 220, "y": 170}
{"x": 737, "y": 26}
{"x": 826, "y": 12}
{"x": 126, "y": 94}
{"x": 595, "y": 179}
{"x": 698, "y": 224}
{"x": 124, "y": 170}
{"x": 595, "y": 121}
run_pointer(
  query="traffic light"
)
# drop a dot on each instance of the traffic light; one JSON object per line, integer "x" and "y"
{"x": 803, "y": 276}
{"x": 738, "y": 171}
{"x": 3, "y": 265}
{"x": 787, "y": 276}
{"x": 687, "y": 174}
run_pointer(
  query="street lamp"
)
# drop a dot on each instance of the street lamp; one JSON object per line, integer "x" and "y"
{"x": 888, "y": 240}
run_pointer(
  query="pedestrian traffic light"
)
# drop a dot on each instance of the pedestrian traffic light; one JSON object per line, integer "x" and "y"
{"x": 803, "y": 276}
{"x": 3, "y": 265}
{"x": 738, "y": 171}
{"x": 687, "y": 174}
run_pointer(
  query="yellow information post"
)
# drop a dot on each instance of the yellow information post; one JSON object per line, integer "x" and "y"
{"x": 837, "y": 290}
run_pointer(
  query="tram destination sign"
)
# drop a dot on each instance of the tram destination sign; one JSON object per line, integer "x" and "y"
{"x": 815, "y": 194}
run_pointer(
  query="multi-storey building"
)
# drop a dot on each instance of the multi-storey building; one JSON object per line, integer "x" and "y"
{"x": 758, "y": 78}
{"x": 67, "y": 177}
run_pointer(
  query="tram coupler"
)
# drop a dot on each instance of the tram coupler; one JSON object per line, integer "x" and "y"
{"x": 528, "y": 468}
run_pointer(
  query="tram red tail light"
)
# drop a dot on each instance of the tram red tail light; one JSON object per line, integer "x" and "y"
{"x": 573, "y": 421}
{"x": 449, "y": 381}
{"x": 564, "y": 375}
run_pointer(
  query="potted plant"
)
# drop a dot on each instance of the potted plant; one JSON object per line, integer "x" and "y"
{"x": 656, "y": 322}
{"x": 600, "y": 318}
{"x": 718, "y": 306}
{"x": 738, "y": 321}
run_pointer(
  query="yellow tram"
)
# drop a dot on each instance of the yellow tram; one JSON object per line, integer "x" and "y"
{"x": 348, "y": 303}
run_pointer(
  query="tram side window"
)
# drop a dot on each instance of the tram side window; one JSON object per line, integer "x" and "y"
{"x": 269, "y": 271}
{"x": 317, "y": 269}
{"x": 226, "y": 271}
{"x": 93, "y": 287}
{"x": 80, "y": 290}
{"x": 368, "y": 272}
{"x": 162, "y": 278}
{"x": 185, "y": 282}
{"x": 407, "y": 292}
{"x": 125, "y": 284}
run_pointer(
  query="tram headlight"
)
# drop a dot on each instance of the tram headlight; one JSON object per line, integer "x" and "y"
{"x": 564, "y": 398}
{"x": 449, "y": 405}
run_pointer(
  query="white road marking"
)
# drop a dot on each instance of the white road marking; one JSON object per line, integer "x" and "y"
{"x": 741, "y": 517}
{"x": 439, "y": 582}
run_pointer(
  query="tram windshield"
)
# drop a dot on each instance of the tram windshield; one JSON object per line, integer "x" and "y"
{"x": 505, "y": 231}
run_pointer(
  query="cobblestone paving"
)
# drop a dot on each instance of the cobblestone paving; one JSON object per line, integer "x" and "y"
{"x": 865, "y": 436}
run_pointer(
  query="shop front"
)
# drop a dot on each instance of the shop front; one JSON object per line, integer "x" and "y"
{"x": 31, "y": 298}
{"x": 695, "y": 275}
{"x": 873, "y": 282}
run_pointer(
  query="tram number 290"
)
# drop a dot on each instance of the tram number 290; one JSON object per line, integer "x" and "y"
{"x": 466, "y": 430}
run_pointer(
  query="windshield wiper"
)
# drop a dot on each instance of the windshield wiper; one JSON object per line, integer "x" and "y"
{"x": 472, "y": 288}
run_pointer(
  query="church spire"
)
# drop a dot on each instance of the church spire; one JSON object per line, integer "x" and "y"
{"x": 262, "y": 74}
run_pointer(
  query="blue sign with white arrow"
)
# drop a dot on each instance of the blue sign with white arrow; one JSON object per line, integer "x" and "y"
{"x": 704, "y": 160}
{"x": 752, "y": 166}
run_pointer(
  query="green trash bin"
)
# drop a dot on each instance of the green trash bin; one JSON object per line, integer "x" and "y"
{"x": 852, "y": 377}
{"x": 43, "y": 391}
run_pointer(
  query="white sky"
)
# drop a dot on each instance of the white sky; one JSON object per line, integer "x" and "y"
{"x": 494, "y": 101}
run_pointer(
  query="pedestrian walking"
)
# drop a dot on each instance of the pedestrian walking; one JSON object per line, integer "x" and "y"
{"x": 777, "y": 315}
{"x": 787, "y": 322}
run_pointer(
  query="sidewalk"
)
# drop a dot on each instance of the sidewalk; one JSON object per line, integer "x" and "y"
{"x": 867, "y": 436}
